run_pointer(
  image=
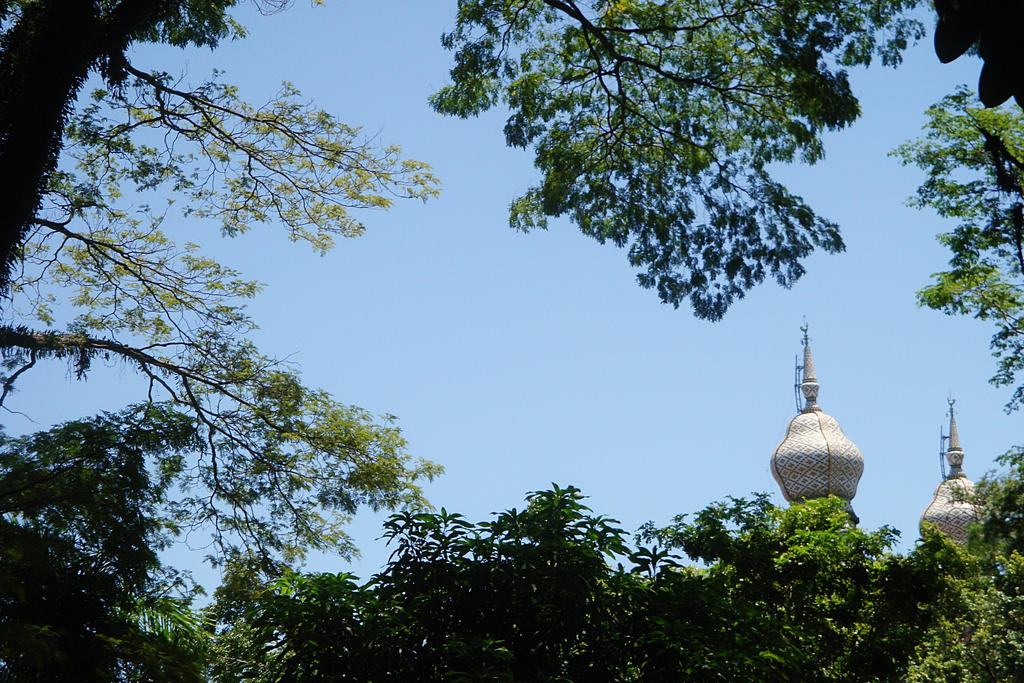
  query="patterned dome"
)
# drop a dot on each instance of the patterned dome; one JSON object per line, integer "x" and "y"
{"x": 815, "y": 459}
{"x": 951, "y": 510}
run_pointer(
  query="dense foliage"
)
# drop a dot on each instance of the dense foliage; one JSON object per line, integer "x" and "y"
{"x": 540, "y": 594}
{"x": 82, "y": 517}
{"x": 656, "y": 123}
{"x": 550, "y": 592}
{"x": 983, "y": 639}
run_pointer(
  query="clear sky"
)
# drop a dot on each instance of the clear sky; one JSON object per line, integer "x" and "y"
{"x": 519, "y": 360}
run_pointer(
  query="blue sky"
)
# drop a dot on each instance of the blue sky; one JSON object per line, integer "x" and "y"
{"x": 519, "y": 360}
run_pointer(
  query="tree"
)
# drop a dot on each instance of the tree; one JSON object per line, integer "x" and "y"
{"x": 83, "y": 595}
{"x": 992, "y": 29}
{"x": 974, "y": 161}
{"x": 792, "y": 594}
{"x": 1000, "y": 499}
{"x": 280, "y": 466}
{"x": 983, "y": 640}
{"x": 47, "y": 50}
{"x": 656, "y": 123}
{"x": 229, "y": 441}
{"x": 811, "y": 597}
{"x": 524, "y": 597}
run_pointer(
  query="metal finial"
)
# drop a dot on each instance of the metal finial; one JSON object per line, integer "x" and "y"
{"x": 809, "y": 386}
{"x": 955, "y": 453}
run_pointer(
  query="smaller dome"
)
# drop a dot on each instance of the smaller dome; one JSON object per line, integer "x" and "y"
{"x": 951, "y": 509}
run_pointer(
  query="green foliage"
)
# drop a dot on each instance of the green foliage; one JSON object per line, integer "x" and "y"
{"x": 793, "y": 594}
{"x": 1001, "y": 501}
{"x": 82, "y": 516}
{"x": 48, "y": 48}
{"x": 231, "y": 442}
{"x": 807, "y": 595}
{"x": 285, "y": 162}
{"x": 521, "y": 597}
{"x": 184, "y": 23}
{"x": 982, "y": 640}
{"x": 974, "y": 161}
{"x": 282, "y": 465}
{"x": 656, "y": 122}
{"x": 979, "y": 636}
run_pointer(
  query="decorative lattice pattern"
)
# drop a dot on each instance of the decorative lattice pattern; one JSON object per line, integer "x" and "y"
{"x": 816, "y": 459}
{"x": 951, "y": 509}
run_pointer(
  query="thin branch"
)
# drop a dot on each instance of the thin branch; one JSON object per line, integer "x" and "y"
{"x": 10, "y": 379}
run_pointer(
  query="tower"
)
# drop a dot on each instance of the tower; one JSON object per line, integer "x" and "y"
{"x": 815, "y": 459}
{"x": 951, "y": 509}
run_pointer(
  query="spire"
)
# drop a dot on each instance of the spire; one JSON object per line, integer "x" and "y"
{"x": 808, "y": 362}
{"x": 809, "y": 386}
{"x": 955, "y": 454}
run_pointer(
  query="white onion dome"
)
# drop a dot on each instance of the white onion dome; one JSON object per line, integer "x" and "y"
{"x": 951, "y": 509}
{"x": 815, "y": 459}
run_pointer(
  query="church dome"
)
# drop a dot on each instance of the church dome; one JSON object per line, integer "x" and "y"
{"x": 951, "y": 509}
{"x": 815, "y": 459}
